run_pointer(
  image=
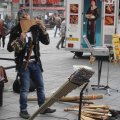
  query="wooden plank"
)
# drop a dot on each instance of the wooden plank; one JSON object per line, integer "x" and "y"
{"x": 86, "y": 118}
{"x": 26, "y": 24}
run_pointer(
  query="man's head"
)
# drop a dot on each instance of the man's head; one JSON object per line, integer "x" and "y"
{"x": 23, "y": 14}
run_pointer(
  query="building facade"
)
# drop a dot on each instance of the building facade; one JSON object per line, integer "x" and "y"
{"x": 5, "y": 8}
{"x": 35, "y": 7}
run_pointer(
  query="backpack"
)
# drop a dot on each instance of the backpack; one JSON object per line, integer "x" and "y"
{"x": 16, "y": 85}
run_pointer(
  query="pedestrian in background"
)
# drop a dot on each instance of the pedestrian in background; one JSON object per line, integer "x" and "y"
{"x": 9, "y": 22}
{"x": 34, "y": 68}
{"x": 51, "y": 21}
{"x": 62, "y": 34}
{"x": 57, "y": 24}
{"x": 3, "y": 28}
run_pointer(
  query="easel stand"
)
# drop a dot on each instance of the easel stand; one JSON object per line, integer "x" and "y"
{"x": 80, "y": 103}
{"x": 102, "y": 87}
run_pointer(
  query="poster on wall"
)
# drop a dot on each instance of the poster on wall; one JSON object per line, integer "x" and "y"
{"x": 73, "y": 14}
{"x": 74, "y": 8}
{"x": 109, "y": 14}
{"x": 73, "y": 17}
{"x": 109, "y": 23}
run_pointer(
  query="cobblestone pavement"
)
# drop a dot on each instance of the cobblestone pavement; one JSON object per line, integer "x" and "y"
{"x": 58, "y": 66}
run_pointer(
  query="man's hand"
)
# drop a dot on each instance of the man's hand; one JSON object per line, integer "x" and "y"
{"x": 42, "y": 26}
{"x": 23, "y": 36}
{"x": 40, "y": 22}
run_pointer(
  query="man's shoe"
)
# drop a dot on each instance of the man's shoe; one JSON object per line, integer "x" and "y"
{"x": 49, "y": 110}
{"x": 57, "y": 47}
{"x": 24, "y": 114}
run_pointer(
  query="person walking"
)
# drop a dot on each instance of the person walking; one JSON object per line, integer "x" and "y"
{"x": 29, "y": 53}
{"x": 2, "y": 34}
{"x": 63, "y": 30}
{"x": 57, "y": 24}
{"x": 9, "y": 22}
{"x": 51, "y": 21}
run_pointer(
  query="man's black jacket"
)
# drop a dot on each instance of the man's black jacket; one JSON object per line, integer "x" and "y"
{"x": 37, "y": 36}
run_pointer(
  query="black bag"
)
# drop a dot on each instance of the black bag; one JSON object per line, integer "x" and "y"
{"x": 16, "y": 85}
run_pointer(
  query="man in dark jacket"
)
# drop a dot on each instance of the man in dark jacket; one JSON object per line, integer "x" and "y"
{"x": 20, "y": 43}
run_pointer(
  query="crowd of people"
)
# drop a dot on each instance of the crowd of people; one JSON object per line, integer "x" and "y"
{"x": 58, "y": 23}
{"x": 54, "y": 21}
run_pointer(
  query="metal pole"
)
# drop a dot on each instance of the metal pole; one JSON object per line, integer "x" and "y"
{"x": 80, "y": 102}
{"x": 31, "y": 8}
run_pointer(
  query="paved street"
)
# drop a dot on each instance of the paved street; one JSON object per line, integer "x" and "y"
{"x": 58, "y": 66}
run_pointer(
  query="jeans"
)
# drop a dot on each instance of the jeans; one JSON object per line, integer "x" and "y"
{"x": 56, "y": 30}
{"x": 3, "y": 41}
{"x": 61, "y": 41}
{"x": 34, "y": 70}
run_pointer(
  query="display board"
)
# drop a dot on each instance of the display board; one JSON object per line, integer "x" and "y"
{"x": 109, "y": 21}
{"x": 73, "y": 27}
{"x": 116, "y": 47}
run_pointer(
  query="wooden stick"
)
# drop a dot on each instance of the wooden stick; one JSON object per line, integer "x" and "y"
{"x": 86, "y": 118}
{"x": 74, "y": 98}
{"x": 97, "y": 110}
{"x": 97, "y": 106}
{"x": 85, "y": 97}
{"x": 72, "y": 108}
{"x": 96, "y": 113}
{"x": 76, "y": 108}
{"x": 96, "y": 116}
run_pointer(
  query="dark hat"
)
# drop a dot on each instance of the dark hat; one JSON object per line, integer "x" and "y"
{"x": 21, "y": 13}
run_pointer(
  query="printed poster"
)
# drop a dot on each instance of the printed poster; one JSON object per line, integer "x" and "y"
{"x": 74, "y": 8}
{"x": 73, "y": 24}
{"x": 109, "y": 13}
{"x": 116, "y": 46}
{"x": 109, "y": 22}
{"x": 73, "y": 16}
